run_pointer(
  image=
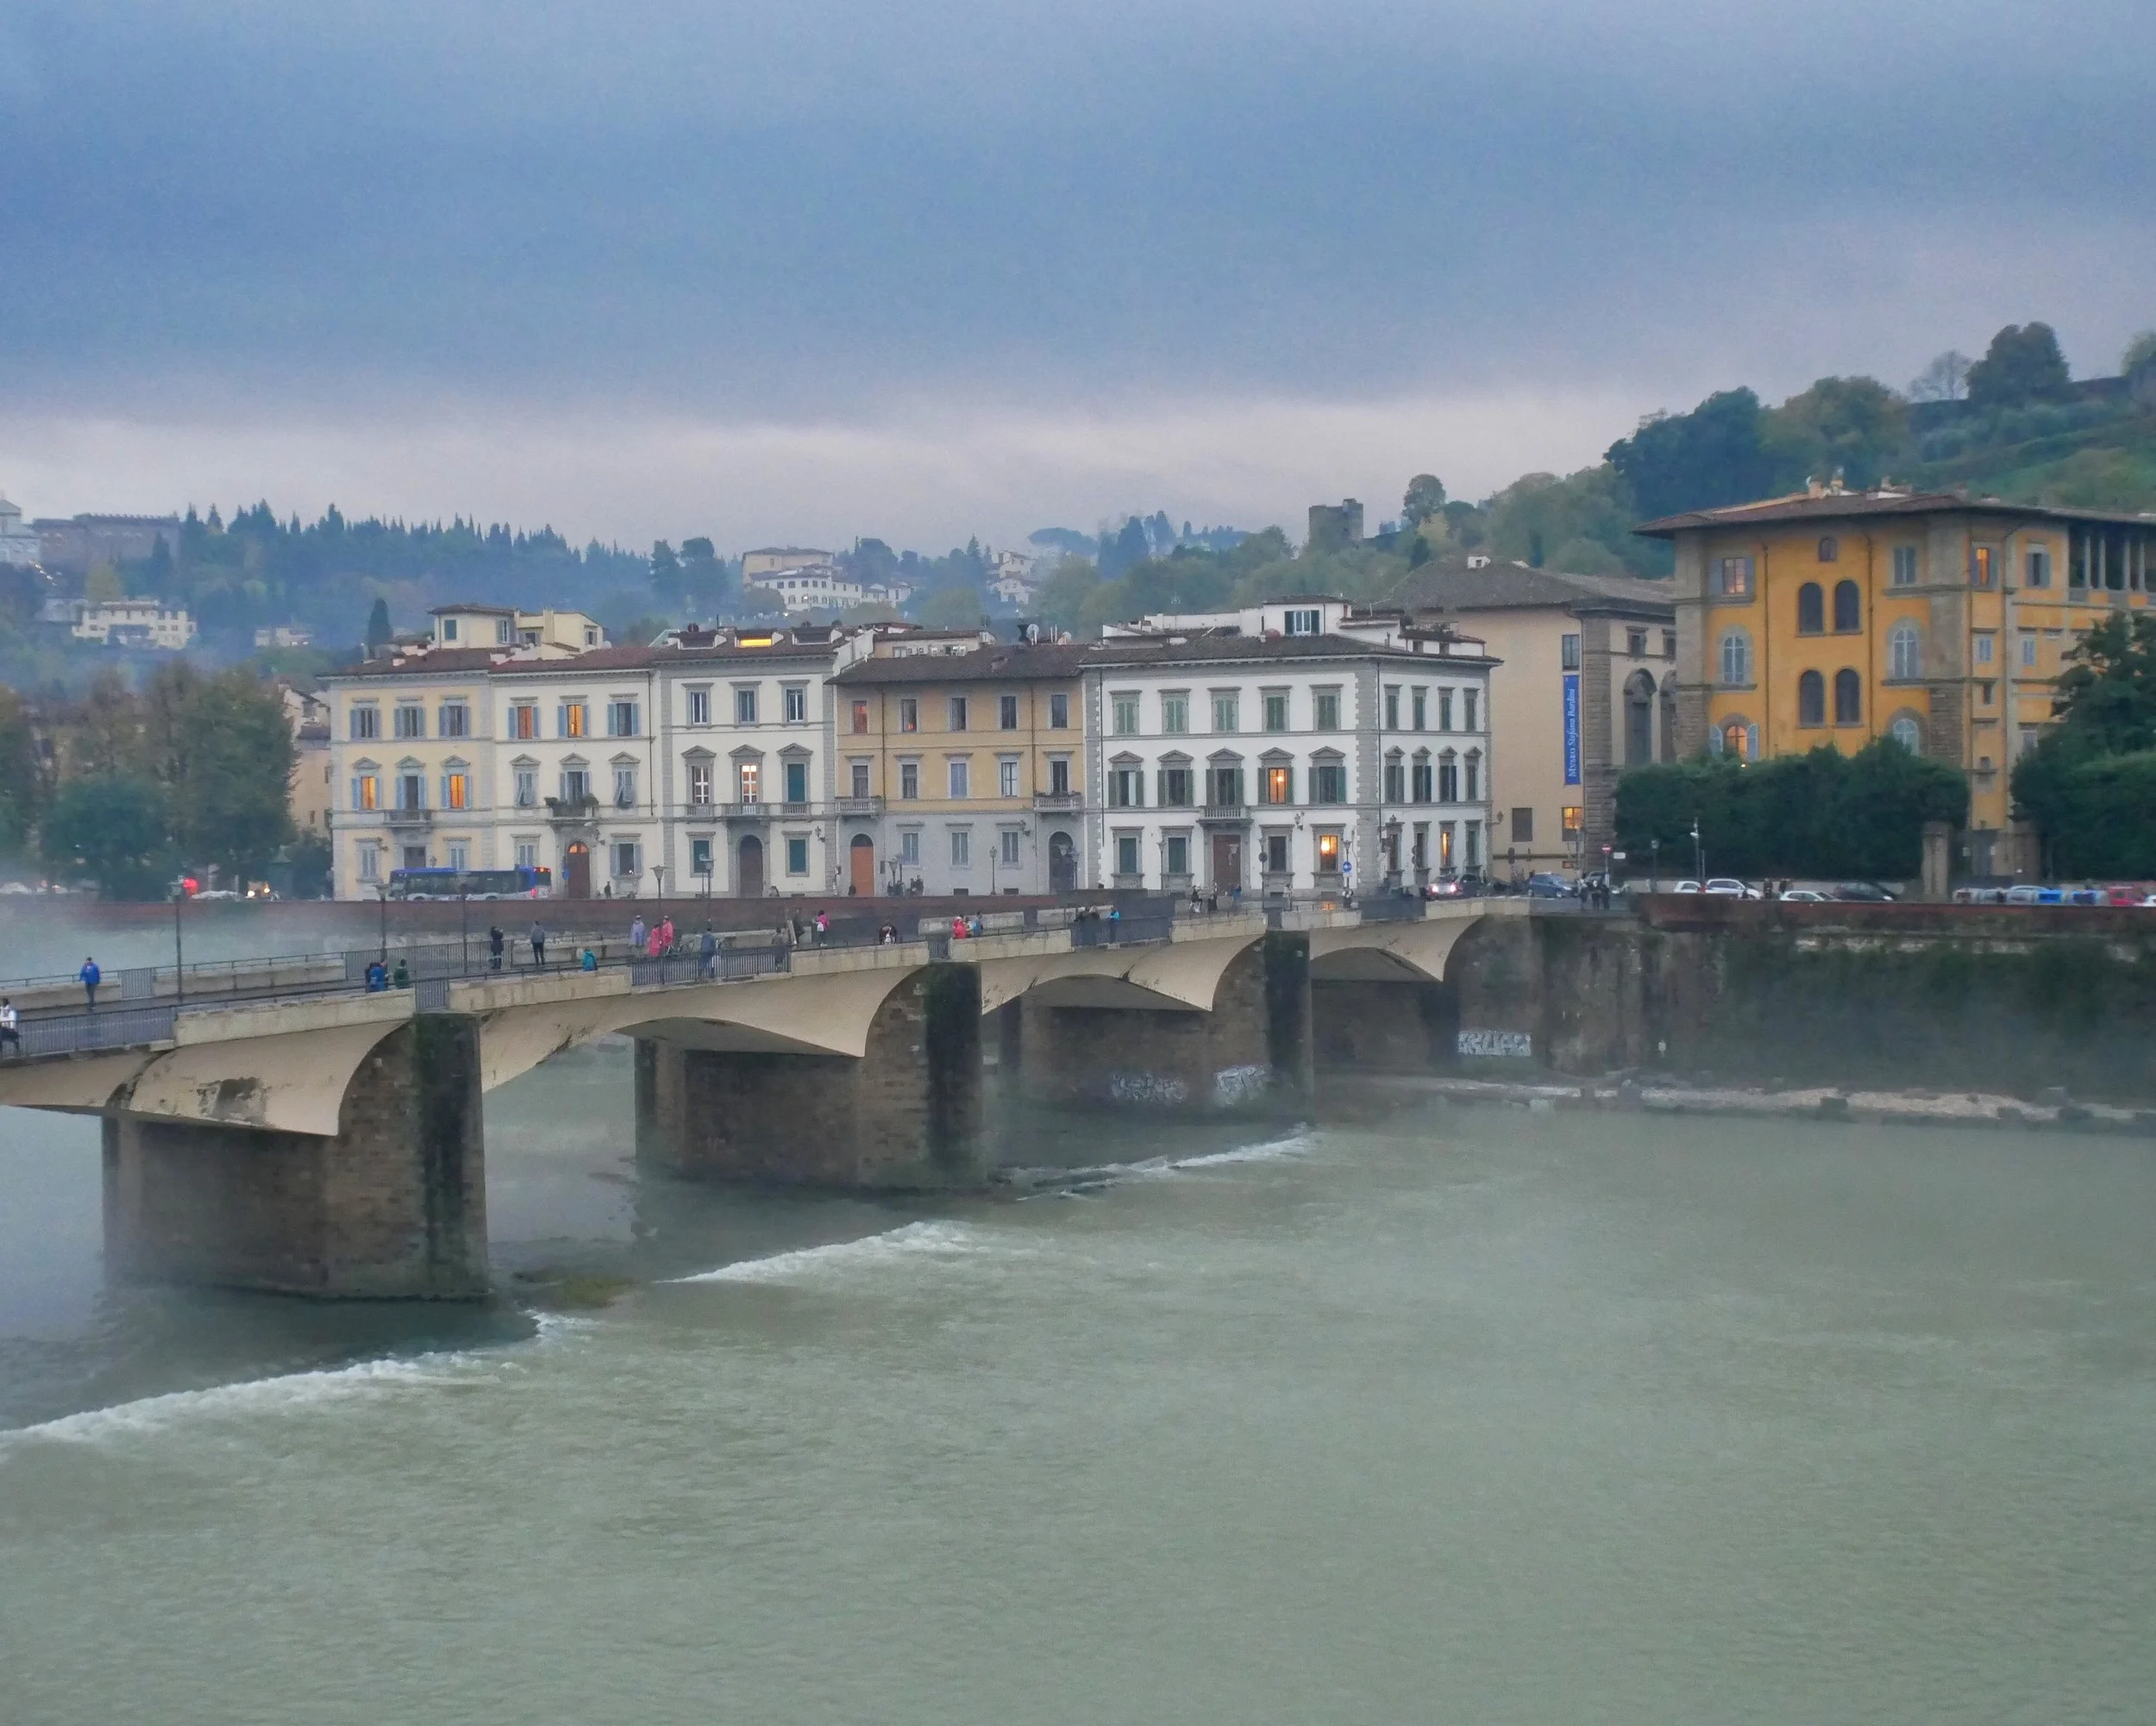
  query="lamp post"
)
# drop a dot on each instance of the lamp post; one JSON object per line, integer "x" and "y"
{"x": 381, "y": 898}
{"x": 180, "y": 953}
{"x": 1699, "y": 857}
{"x": 464, "y": 932}
{"x": 1654, "y": 865}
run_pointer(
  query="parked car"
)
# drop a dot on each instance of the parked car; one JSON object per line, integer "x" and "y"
{"x": 1724, "y": 886}
{"x": 1863, "y": 893}
{"x": 1544, "y": 885}
{"x": 1686, "y": 887}
{"x": 1804, "y": 895}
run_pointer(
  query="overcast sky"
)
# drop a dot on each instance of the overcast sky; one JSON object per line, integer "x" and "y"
{"x": 806, "y": 269}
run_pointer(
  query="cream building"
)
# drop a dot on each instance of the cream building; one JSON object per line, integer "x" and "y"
{"x": 134, "y": 622}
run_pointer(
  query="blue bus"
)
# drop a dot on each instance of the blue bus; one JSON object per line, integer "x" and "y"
{"x": 520, "y": 882}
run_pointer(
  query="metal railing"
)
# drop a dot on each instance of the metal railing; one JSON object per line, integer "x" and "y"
{"x": 86, "y": 1032}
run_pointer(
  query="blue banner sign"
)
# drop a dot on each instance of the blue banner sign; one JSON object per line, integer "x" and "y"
{"x": 1571, "y": 728}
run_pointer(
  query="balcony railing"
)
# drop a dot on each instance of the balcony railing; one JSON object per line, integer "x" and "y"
{"x": 583, "y": 808}
{"x": 1049, "y": 802}
{"x": 856, "y": 807}
{"x": 410, "y": 818}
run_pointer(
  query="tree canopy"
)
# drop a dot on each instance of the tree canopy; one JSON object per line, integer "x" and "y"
{"x": 2090, "y": 784}
{"x": 2022, "y": 365}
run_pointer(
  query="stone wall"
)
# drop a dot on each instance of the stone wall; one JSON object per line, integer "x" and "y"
{"x": 393, "y": 1207}
{"x": 1383, "y": 1027}
{"x": 906, "y": 1115}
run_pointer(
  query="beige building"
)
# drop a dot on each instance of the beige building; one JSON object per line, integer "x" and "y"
{"x": 548, "y": 634}
{"x": 134, "y": 622}
{"x": 1585, "y": 687}
{"x": 313, "y": 765}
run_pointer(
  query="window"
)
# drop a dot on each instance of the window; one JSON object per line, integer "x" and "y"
{"x": 797, "y": 854}
{"x": 1444, "y": 710}
{"x": 2038, "y": 567}
{"x": 1811, "y": 609}
{"x": 699, "y": 707}
{"x": 795, "y": 696}
{"x": 2029, "y": 652}
{"x": 1669, "y": 644}
{"x": 1575, "y": 818}
{"x": 909, "y": 714}
{"x": 1736, "y": 665}
{"x": 1299, "y": 621}
{"x": 1829, "y": 549}
{"x": 1276, "y": 785}
{"x": 860, "y": 718}
{"x": 367, "y": 723}
{"x": 1848, "y": 608}
{"x": 1473, "y": 765}
{"x": 1275, "y": 854}
{"x": 370, "y": 863}
{"x": 1007, "y": 777}
{"x": 1174, "y": 787}
{"x": 621, "y": 718}
{"x": 448, "y": 629}
{"x": 909, "y": 780}
{"x": 1328, "y": 782}
{"x": 1848, "y": 698}
{"x": 411, "y": 720}
{"x": 1059, "y": 711}
{"x": 960, "y": 847}
{"x": 1418, "y": 847}
{"x": 960, "y": 773}
{"x": 1007, "y": 712}
{"x": 625, "y": 860}
{"x": 1636, "y": 643}
{"x": 1983, "y": 647}
{"x": 1395, "y": 779}
{"x": 456, "y": 790}
{"x": 1223, "y": 786}
{"x": 624, "y": 787}
{"x": 526, "y": 854}
{"x": 1326, "y": 702}
{"x": 415, "y": 856}
{"x": 1059, "y": 776}
{"x": 576, "y": 785}
{"x": 700, "y": 783}
{"x": 910, "y": 846}
{"x": 1904, "y": 566}
{"x": 524, "y": 720}
{"x": 1468, "y": 698}
{"x": 460, "y": 856}
{"x": 745, "y": 706}
{"x": 858, "y": 776}
{"x": 1328, "y": 853}
{"x": 1811, "y": 700}
{"x": 1905, "y": 651}
{"x": 750, "y": 777}
{"x": 1569, "y": 653}
{"x": 455, "y": 720}
{"x": 1446, "y": 831}
{"x": 1523, "y": 826}
{"x": 569, "y": 719}
{"x": 411, "y": 791}
{"x": 1126, "y": 787}
{"x": 1735, "y": 737}
{"x": 1474, "y": 844}
{"x": 1422, "y": 781}
{"x": 1275, "y": 711}
{"x": 701, "y": 858}
{"x": 1906, "y": 732}
{"x": 797, "y": 783}
{"x": 1982, "y": 568}
{"x": 1126, "y": 858}
{"x": 1448, "y": 778}
{"x": 1392, "y": 707}
{"x": 958, "y": 713}
{"x": 1007, "y": 845}
{"x": 1123, "y": 714}
{"x": 1177, "y": 853}
{"x": 1418, "y": 707}
{"x": 1174, "y": 713}
{"x": 527, "y": 787}
{"x": 366, "y": 792}
{"x": 1733, "y": 578}
{"x": 1223, "y": 714}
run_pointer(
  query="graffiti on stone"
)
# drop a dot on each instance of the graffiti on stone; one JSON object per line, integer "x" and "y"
{"x": 1233, "y": 1085}
{"x": 1159, "y": 1089}
{"x": 1510, "y": 1044}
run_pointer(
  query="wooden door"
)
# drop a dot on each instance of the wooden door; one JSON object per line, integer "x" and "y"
{"x": 1063, "y": 863}
{"x": 576, "y": 870}
{"x": 861, "y": 859}
{"x": 748, "y": 878}
{"x": 1228, "y": 861}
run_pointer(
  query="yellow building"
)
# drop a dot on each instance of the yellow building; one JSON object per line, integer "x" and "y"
{"x": 1937, "y": 620}
{"x": 963, "y": 770}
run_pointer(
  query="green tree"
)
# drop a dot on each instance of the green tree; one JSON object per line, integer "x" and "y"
{"x": 21, "y": 782}
{"x": 378, "y": 633}
{"x": 1714, "y": 455}
{"x": 2022, "y": 365}
{"x": 666, "y": 570}
{"x": 1425, "y": 498}
{"x": 2140, "y": 356}
{"x": 1062, "y": 597}
{"x": 104, "y": 585}
{"x": 111, "y": 828}
{"x": 954, "y": 608}
{"x": 1851, "y": 426}
{"x": 1946, "y": 380}
{"x": 231, "y": 800}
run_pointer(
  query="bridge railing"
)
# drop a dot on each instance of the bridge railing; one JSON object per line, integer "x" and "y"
{"x": 86, "y": 1032}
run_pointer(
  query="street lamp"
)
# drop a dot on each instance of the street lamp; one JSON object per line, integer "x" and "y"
{"x": 381, "y": 897}
{"x": 1699, "y": 857}
{"x": 179, "y": 955}
{"x": 659, "y": 874}
{"x": 1654, "y": 865}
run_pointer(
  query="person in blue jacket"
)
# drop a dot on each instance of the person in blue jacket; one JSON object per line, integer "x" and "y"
{"x": 92, "y": 977}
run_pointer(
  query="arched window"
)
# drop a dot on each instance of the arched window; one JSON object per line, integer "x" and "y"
{"x": 1848, "y": 608}
{"x": 1811, "y": 700}
{"x": 1829, "y": 549}
{"x": 1905, "y": 651}
{"x": 1737, "y": 738}
{"x": 1848, "y": 698}
{"x": 1811, "y": 610}
{"x": 1736, "y": 658}
{"x": 1906, "y": 732}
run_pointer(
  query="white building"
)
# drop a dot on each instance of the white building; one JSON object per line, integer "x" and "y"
{"x": 19, "y": 543}
{"x": 819, "y": 588}
{"x": 1298, "y": 747}
{"x": 134, "y": 622}
{"x": 773, "y": 559}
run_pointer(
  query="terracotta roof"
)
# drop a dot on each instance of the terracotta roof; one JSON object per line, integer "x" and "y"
{"x": 1856, "y": 506}
{"x": 1125, "y": 650}
{"x": 1496, "y": 587}
{"x": 1005, "y": 661}
{"x": 451, "y": 662}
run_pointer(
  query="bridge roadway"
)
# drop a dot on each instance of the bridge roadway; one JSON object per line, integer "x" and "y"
{"x": 333, "y": 1143}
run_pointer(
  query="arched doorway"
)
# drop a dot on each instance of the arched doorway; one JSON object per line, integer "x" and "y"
{"x": 576, "y": 870}
{"x": 749, "y": 877}
{"x": 860, "y": 861}
{"x": 1063, "y": 863}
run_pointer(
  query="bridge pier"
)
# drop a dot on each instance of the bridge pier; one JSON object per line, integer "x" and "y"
{"x": 394, "y": 1206}
{"x": 906, "y": 1115}
{"x": 1384, "y": 1026}
{"x": 1251, "y": 1052}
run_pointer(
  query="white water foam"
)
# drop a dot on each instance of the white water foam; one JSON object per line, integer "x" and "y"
{"x": 1156, "y": 1168}
{"x": 915, "y": 1239}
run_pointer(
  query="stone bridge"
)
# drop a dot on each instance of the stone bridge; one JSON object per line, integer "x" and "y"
{"x": 335, "y": 1146}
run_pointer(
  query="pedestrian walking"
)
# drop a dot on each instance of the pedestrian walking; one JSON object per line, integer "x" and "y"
{"x": 377, "y": 976}
{"x": 708, "y": 953}
{"x": 90, "y": 977}
{"x": 667, "y": 930}
{"x": 637, "y": 935}
{"x": 10, "y": 1027}
{"x": 495, "y": 941}
{"x": 822, "y": 927}
{"x": 655, "y": 943}
{"x": 538, "y": 944}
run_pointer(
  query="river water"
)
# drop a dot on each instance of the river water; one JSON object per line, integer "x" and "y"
{"x": 1469, "y": 1414}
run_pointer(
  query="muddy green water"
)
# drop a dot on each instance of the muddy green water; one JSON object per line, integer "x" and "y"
{"x": 1473, "y": 1415}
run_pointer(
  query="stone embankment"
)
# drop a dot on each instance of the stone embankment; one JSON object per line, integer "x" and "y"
{"x": 1665, "y": 1096}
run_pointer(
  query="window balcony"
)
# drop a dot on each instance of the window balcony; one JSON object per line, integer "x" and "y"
{"x": 583, "y": 809}
{"x": 855, "y": 808}
{"x": 410, "y": 818}
{"x": 1237, "y": 814}
{"x": 1058, "y": 802}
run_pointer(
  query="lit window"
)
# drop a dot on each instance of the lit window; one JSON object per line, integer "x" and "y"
{"x": 750, "y": 777}
{"x": 524, "y": 720}
{"x": 1981, "y": 565}
{"x": 1328, "y": 854}
{"x": 455, "y": 791}
{"x": 861, "y": 719}
{"x": 1733, "y": 578}
{"x": 1575, "y": 818}
{"x": 569, "y": 719}
{"x": 909, "y": 714}
{"x": 1276, "y": 785}
{"x": 366, "y": 792}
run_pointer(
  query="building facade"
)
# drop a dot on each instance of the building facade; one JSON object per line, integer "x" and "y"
{"x": 1585, "y": 687}
{"x": 20, "y": 545}
{"x": 1936, "y": 619}
{"x": 134, "y": 622}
